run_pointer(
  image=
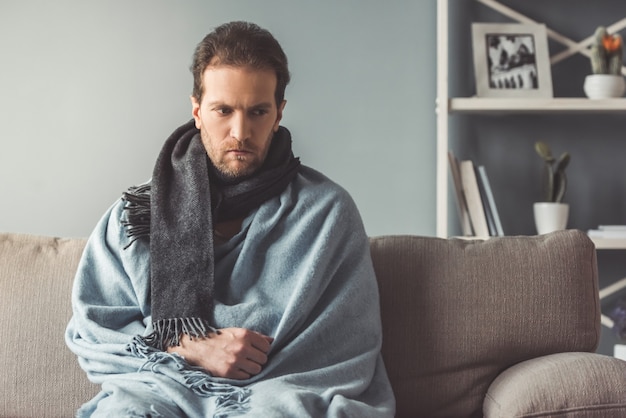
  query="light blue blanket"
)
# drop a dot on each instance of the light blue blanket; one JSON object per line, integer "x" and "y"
{"x": 299, "y": 271}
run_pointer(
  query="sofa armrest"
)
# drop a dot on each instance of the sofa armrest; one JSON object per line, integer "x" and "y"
{"x": 582, "y": 384}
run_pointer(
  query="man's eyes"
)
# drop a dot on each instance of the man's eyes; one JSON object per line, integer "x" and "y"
{"x": 258, "y": 112}
{"x": 224, "y": 110}
{"x": 252, "y": 112}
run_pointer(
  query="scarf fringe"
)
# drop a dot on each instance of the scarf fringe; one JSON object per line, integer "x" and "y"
{"x": 137, "y": 209}
{"x": 229, "y": 399}
{"x": 167, "y": 332}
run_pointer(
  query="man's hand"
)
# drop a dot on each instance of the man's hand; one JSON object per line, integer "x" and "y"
{"x": 234, "y": 353}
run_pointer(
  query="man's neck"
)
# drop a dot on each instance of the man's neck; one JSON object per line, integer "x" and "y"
{"x": 227, "y": 229}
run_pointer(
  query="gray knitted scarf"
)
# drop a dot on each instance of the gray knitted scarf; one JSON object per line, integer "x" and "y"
{"x": 177, "y": 210}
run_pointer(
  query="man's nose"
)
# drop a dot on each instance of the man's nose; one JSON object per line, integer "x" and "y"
{"x": 240, "y": 127}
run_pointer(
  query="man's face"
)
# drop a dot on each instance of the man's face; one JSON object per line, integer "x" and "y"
{"x": 237, "y": 117}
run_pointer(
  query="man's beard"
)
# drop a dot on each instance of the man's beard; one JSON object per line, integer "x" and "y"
{"x": 225, "y": 169}
{"x": 234, "y": 173}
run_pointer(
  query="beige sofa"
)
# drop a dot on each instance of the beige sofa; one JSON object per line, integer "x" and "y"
{"x": 504, "y": 328}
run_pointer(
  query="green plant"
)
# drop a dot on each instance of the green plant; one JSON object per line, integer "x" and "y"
{"x": 554, "y": 180}
{"x": 606, "y": 52}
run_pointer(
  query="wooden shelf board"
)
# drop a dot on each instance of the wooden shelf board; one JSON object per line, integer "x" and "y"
{"x": 488, "y": 105}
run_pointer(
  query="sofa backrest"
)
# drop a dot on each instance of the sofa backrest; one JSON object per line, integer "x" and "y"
{"x": 39, "y": 376}
{"x": 456, "y": 313}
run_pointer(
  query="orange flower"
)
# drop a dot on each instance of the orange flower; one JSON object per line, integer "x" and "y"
{"x": 611, "y": 43}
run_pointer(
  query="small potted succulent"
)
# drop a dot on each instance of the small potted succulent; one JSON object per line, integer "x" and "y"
{"x": 551, "y": 214}
{"x": 606, "y": 65}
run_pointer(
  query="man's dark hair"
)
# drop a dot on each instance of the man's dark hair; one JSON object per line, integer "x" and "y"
{"x": 240, "y": 44}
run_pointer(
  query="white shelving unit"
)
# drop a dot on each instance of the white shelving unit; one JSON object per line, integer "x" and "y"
{"x": 446, "y": 106}
{"x": 477, "y": 105}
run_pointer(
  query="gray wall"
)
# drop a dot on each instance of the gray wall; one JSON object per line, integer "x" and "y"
{"x": 89, "y": 90}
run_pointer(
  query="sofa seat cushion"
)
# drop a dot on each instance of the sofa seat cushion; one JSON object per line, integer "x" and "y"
{"x": 568, "y": 384}
{"x": 456, "y": 313}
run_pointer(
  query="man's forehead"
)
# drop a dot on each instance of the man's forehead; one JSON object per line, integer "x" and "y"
{"x": 230, "y": 83}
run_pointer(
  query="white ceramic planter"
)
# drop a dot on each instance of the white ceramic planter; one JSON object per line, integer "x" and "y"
{"x": 604, "y": 86}
{"x": 550, "y": 216}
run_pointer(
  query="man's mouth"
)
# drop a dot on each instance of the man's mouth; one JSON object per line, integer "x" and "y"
{"x": 240, "y": 154}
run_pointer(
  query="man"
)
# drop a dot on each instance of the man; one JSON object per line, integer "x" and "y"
{"x": 238, "y": 281}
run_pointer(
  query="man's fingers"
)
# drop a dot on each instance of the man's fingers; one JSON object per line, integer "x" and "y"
{"x": 250, "y": 367}
{"x": 260, "y": 341}
{"x": 255, "y": 355}
{"x": 252, "y": 338}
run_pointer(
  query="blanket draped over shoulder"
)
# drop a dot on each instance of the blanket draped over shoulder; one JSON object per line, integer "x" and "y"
{"x": 299, "y": 270}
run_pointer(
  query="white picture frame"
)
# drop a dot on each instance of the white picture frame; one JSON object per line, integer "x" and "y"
{"x": 511, "y": 60}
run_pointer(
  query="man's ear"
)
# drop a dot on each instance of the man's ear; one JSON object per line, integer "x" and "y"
{"x": 195, "y": 111}
{"x": 279, "y": 114}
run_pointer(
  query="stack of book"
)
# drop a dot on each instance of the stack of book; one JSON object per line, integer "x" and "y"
{"x": 608, "y": 231}
{"x": 474, "y": 197}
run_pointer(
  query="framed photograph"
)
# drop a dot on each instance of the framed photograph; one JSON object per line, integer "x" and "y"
{"x": 511, "y": 60}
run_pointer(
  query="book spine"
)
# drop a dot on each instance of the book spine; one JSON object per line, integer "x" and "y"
{"x": 491, "y": 202}
{"x": 461, "y": 202}
{"x": 474, "y": 202}
{"x": 483, "y": 197}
